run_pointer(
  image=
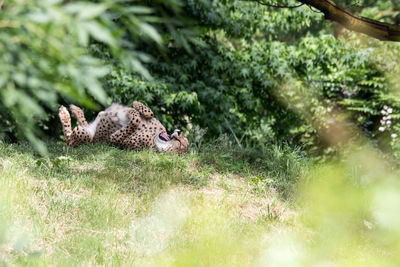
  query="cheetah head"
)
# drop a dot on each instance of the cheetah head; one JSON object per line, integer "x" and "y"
{"x": 176, "y": 142}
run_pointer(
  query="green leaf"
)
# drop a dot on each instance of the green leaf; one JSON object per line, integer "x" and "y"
{"x": 151, "y": 32}
{"x": 85, "y": 10}
{"x": 99, "y": 32}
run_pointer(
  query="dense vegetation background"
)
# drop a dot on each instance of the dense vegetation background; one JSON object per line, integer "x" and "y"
{"x": 256, "y": 73}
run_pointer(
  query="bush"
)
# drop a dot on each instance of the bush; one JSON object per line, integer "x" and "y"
{"x": 228, "y": 66}
{"x": 45, "y": 58}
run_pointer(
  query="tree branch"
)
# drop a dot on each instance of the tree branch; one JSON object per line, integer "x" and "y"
{"x": 376, "y": 29}
{"x": 379, "y": 30}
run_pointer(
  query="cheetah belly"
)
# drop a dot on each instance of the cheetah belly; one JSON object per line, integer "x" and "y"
{"x": 108, "y": 122}
{"x": 105, "y": 128}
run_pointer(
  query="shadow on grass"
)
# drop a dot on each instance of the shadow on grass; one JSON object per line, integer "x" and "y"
{"x": 101, "y": 165}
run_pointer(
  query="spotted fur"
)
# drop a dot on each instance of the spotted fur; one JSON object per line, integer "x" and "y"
{"x": 127, "y": 127}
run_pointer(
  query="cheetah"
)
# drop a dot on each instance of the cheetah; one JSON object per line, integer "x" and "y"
{"x": 126, "y": 127}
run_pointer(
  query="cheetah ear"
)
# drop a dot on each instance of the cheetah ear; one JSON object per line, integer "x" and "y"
{"x": 179, "y": 132}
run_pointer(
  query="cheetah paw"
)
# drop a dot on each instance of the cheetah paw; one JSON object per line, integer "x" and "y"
{"x": 63, "y": 114}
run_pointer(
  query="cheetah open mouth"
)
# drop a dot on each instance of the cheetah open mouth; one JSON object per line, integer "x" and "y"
{"x": 164, "y": 136}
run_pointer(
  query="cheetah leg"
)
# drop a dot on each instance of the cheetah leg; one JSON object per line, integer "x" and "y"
{"x": 119, "y": 136}
{"x": 79, "y": 115}
{"x": 65, "y": 119}
{"x": 143, "y": 110}
{"x": 74, "y": 137}
{"x": 79, "y": 136}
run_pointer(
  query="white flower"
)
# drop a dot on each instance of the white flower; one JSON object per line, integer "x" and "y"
{"x": 385, "y": 107}
{"x": 389, "y": 117}
{"x": 382, "y": 122}
{"x": 368, "y": 224}
{"x": 390, "y": 110}
{"x": 384, "y": 118}
{"x": 394, "y": 136}
{"x": 389, "y": 122}
{"x": 381, "y": 129}
{"x": 383, "y": 112}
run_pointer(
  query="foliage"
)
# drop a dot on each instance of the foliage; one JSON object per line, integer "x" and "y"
{"x": 45, "y": 56}
{"x": 249, "y": 20}
{"x": 269, "y": 82}
{"x": 231, "y": 67}
{"x": 266, "y": 90}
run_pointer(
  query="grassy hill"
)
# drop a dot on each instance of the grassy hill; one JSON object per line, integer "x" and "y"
{"x": 98, "y": 205}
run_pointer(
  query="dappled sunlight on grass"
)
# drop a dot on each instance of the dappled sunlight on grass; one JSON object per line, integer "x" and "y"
{"x": 212, "y": 235}
{"x": 100, "y": 205}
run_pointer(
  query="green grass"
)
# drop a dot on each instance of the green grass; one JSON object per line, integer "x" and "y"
{"x": 98, "y": 205}
{"x": 218, "y": 205}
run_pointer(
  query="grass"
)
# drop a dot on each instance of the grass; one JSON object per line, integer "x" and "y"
{"x": 98, "y": 205}
{"x": 216, "y": 206}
